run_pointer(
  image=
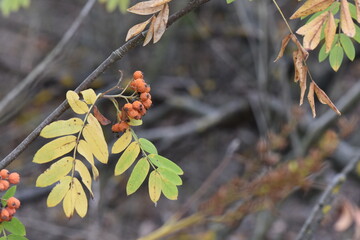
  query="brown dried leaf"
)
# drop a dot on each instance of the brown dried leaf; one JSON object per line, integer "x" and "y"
{"x": 329, "y": 31}
{"x": 136, "y": 29}
{"x": 311, "y": 6}
{"x": 284, "y": 43}
{"x": 300, "y": 47}
{"x": 102, "y": 120}
{"x": 324, "y": 99}
{"x": 148, "y": 7}
{"x": 150, "y": 33}
{"x": 303, "y": 84}
{"x": 311, "y": 99}
{"x": 312, "y": 31}
{"x": 346, "y": 23}
{"x": 161, "y": 22}
{"x": 345, "y": 219}
{"x": 357, "y": 3}
{"x": 297, "y": 75}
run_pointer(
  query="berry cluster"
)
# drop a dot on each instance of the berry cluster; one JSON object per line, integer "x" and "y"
{"x": 137, "y": 108}
{"x": 7, "y": 178}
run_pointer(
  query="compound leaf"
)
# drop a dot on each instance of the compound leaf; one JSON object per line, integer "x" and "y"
{"x": 76, "y": 105}
{"x": 62, "y": 127}
{"x": 122, "y": 142}
{"x": 55, "y": 149}
{"x": 163, "y": 162}
{"x": 56, "y": 172}
{"x": 155, "y": 184}
{"x": 147, "y": 146}
{"x": 58, "y": 192}
{"x": 138, "y": 175}
{"x": 127, "y": 158}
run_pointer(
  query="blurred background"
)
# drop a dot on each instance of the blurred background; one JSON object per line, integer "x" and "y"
{"x": 222, "y": 110}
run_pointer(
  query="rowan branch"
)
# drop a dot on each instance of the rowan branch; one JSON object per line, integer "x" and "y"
{"x": 114, "y": 57}
{"x": 326, "y": 200}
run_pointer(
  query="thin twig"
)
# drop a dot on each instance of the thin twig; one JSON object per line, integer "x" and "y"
{"x": 326, "y": 198}
{"x": 114, "y": 57}
{"x": 7, "y": 102}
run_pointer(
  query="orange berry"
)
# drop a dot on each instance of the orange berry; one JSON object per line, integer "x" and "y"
{"x": 137, "y": 105}
{"x": 4, "y": 173}
{"x": 14, "y": 178}
{"x": 5, "y": 183}
{"x": 145, "y": 96}
{"x": 11, "y": 211}
{"x": 147, "y": 89}
{"x": 13, "y": 202}
{"x": 147, "y": 104}
{"x": 2, "y": 187}
{"x": 136, "y": 83}
{"x": 123, "y": 126}
{"x": 5, "y": 216}
{"x": 143, "y": 111}
{"x": 134, "y": 114}
{"x": 128, "y": 107}
{"x": 141, "y": 87}
{"x": 138, "y": 74}
{"x": 115, "y": 127}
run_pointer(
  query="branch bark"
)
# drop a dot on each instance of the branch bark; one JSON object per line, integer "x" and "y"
{"x": 114, "y": 57}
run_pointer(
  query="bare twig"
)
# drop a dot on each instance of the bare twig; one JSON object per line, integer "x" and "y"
{"x": 326, "y": 198}
{"x": 7, "y": 102}
{"x": 114, "y": 57}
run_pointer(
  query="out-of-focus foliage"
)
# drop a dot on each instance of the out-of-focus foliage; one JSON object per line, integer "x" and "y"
{"x": 9, "y": 6}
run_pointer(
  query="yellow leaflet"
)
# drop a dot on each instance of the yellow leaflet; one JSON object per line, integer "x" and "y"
{"x": 62, "y": 127}
{"x": 69, "y": 201}
{"x": 122, "y": 142}
{"x": 84, "y": 174}
{"x": 95, "y": 138}
{"x": 81, "y": 202}
{"x": 76, "y": 105}
{"x": 127, "y": 158}
{"x": 169, "y": 189}
{"x": 154, "y": 186}
{"x": 55, "y": 149}
{"x": 93, "y": 121}
{"x": 89, "y": 96}
{"x": 57, "y": 171}
{"x": 58, "y": 192}
{"x": 84, "y": 149}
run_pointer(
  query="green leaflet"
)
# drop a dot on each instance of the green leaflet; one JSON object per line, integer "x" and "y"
{"x": 169, "y": 190}
{"x": 62, "y": 127}
{"x": 155, "y": 184}
{"x": 55, "y": 149}
{"x": 336, "y": 56}
{"x": 147, "y": 146}
{"x": 170, "y": 176}
{"x": 15, "y": 226}
{"x": 56, "y": 172}
{"x": 9, "y": 193}
{"x": 127, "y": 158}
{"x": 163, "y": 162}
{"x": 348, "y": 46}
{"x": 138, "y": 176}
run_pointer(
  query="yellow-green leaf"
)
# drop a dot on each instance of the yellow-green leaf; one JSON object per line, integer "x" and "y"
{"x": 127, "y": 158}
{"x": 81, "y": 202}
{"x": 122, "y": 142}
{"x": 84, "y": 149}
{"x": 57, "y": 171}
{"x": 169, "y": 190}
{"x": 69, "y": 201}
{"x": 58, "y": 192}
{"x": 137, "y": 176}
{"x": 62, "y": 127}
{"x": 336, "y": 56}
{"x": 170, "y": 176}
{"x": 96, "y": 140}
{"x": 155, "y": 185}
{"x": 134, "y": 122}
{"x": 89, "y": 96}
{"x": 147, "y": 146}
{"x": 84, "y": 174}
{"x": 311, "y": 6}
{"x": 76, "y": 105}
{"x": 55, "y": 149}
{"x": 163, "y": 162}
